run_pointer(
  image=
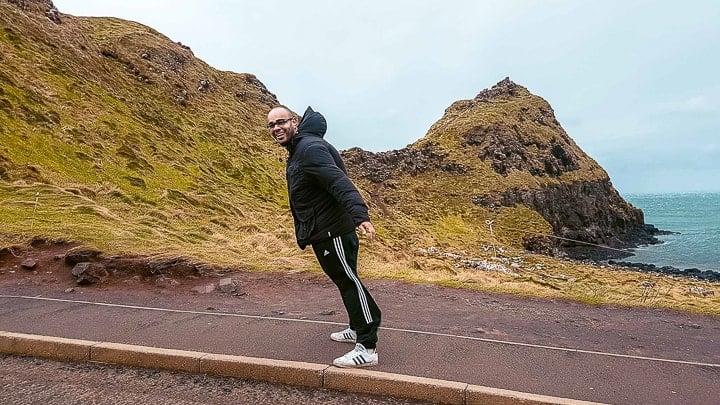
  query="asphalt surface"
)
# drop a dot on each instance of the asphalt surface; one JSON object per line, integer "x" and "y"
{"x": 619, "y": 377}
{"x": 528, "y": 345}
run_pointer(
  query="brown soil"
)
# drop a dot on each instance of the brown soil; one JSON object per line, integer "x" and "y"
{"x": 53, "y": 262}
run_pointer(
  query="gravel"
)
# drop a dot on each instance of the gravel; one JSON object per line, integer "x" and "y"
{"x": 28, "y": 380}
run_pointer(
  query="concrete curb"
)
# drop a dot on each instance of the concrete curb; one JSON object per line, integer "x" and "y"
{"x": 276, "y": 371}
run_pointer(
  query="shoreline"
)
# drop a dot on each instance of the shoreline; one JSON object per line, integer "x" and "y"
{"x": 693, "y": 272}
{"x": 599, "y": 255}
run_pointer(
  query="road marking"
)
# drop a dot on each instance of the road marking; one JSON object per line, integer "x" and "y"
{"x": 417, "y": 332}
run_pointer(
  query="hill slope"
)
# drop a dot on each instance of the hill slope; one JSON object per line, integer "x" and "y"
{"x": 129, "y": 142}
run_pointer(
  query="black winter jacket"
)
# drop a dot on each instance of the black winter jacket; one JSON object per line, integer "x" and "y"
{"x": 323, "y": 200}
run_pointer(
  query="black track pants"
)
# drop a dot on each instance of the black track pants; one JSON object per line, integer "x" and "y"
{"x": 338, "y": 258}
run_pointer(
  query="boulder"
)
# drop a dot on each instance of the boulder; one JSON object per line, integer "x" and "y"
{"x": 28, "y": 264}
{"x": 74, "y": 257}
{"x": 89, "y": 273}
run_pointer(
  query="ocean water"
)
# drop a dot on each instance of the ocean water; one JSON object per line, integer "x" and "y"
{"x": 696, "y": 218}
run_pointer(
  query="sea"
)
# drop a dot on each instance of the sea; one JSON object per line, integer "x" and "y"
{"x": 695, "y": 217}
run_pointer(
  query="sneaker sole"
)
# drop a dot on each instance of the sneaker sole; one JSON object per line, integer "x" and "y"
{"x": 342, "y": 340}
{"x": 372, "y": 363}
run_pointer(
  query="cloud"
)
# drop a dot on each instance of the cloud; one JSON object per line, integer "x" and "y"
{"x": 699, "y": 104}
{"x": 624, "y": 79}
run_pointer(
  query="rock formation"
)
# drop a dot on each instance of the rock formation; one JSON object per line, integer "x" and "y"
{"x": 534, "y": 163}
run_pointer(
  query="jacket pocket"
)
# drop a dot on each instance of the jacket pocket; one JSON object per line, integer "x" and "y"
{"x": 305, "y": 223}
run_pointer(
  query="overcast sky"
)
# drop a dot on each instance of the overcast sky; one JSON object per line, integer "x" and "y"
{"x": 634, "y": 83}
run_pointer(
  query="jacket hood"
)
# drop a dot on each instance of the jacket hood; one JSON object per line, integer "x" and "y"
{"x": 312, "y": 123}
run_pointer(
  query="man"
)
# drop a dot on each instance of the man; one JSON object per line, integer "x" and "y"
{"x": 326, "y": 209}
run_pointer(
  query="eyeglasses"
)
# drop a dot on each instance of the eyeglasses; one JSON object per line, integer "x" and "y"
{"x": 281, "y": 121}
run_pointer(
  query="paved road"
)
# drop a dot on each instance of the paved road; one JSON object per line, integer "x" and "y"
{"x": 26, "y": 380}
{"x": 592, "y": 375}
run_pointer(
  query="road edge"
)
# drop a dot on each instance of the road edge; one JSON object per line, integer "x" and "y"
{"x": 303, "y": 374}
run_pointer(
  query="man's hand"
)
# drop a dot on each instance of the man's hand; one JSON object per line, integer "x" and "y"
{"x": 367, "y": 228}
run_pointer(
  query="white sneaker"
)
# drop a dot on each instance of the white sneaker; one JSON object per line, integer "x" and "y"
{"x": 358, "y": 357}
{"x": 348, "y": 335}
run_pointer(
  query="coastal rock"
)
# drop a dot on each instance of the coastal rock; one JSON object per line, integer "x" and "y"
{"x": 695, "y": 273}
{"x": 591, "y": 212}
{"x": 541, "y": 244}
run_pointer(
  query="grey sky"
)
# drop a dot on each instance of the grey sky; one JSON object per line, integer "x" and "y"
{"x": 634, "y": 83}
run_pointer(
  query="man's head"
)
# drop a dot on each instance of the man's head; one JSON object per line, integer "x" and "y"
{"x": 282, "y": 124}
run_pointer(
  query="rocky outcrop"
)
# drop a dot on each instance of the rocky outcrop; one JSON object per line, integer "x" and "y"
{"x": 378, "y": 167}
{"x": 42, "y": 6}
{"x": 513, "y": 143}
{"x": 591, "y": 212}
{"x": 506, "y": 147}
{"x": 504, "y": 88}
{"x": 695, "y": 273}
{"x": 89, "y": 273}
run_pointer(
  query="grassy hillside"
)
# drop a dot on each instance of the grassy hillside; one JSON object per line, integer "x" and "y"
{"x": 115, "y": 137}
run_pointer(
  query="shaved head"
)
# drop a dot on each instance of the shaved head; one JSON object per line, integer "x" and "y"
{"x": 282, "y": 123}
